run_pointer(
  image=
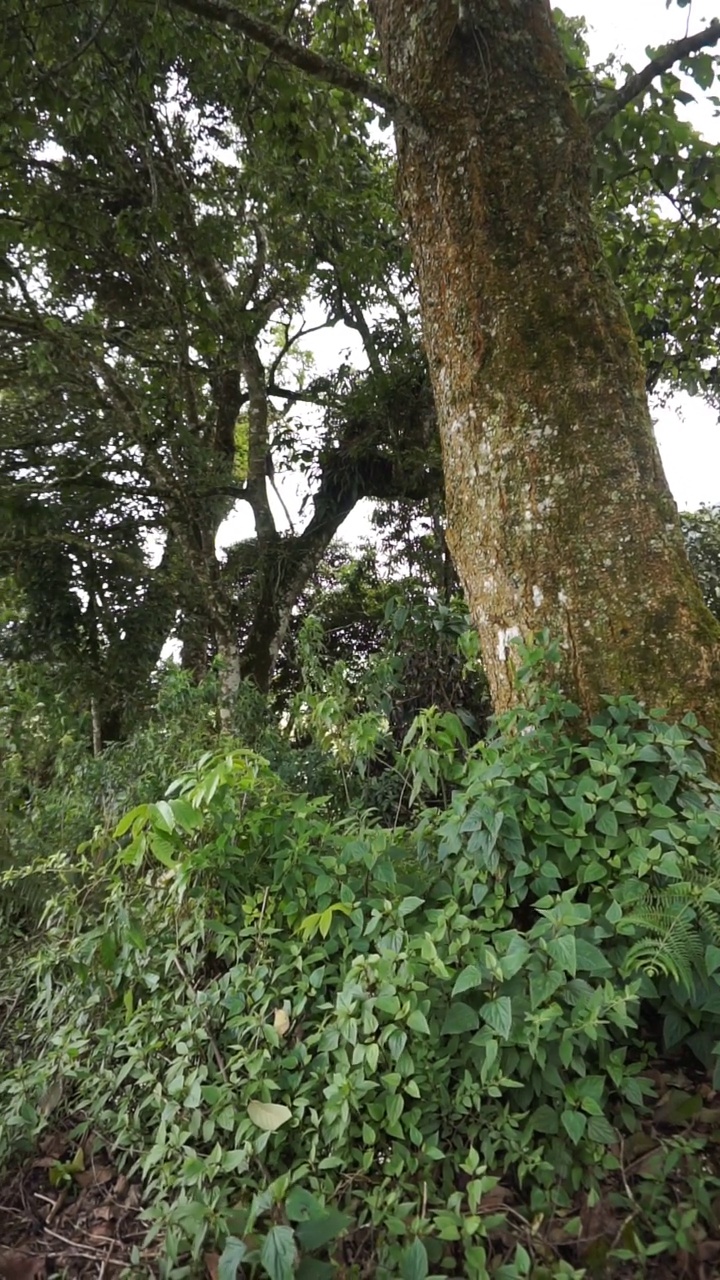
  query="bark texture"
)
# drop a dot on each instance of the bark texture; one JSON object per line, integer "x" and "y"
{"x": 560, "y": 517}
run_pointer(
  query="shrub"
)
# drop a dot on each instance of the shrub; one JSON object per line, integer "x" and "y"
{"x": 330, "y": 1043}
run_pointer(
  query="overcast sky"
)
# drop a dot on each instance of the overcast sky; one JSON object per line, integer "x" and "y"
{"x": 688, "y": 431}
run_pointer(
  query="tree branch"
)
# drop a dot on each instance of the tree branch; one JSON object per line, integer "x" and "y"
{"x": 328, "y": 70}
{"x": 636, "y": 84}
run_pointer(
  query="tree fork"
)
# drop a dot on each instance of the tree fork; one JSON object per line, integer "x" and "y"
{"x": 560, "y": 517}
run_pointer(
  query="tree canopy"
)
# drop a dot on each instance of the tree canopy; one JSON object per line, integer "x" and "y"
{"x": 176, "y": 194}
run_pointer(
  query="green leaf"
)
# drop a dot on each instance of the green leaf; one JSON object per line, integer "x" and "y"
{"x": 574, "y": 1123}
{"x": 139, "y": 814}
{"x": 514, "y": 959}
{"x": 414, "y": 1262}
{"x": 231, "y": 1258}
{"x": 460, "y": 1018}
{"x": 315, "y": 1269}
{"x": 268, "y": 1116}
{"x": 408, "y": 905}
{"x": 613, "y": 913}
{"x": 702, "y": 69}
{"x": 164, "y": 850}
{"x": 563, "y": 952}
{"x": 469, "y": 978}
{"x": 325, "y": 922}
{"x": 498, "y": 1015}
{"x": 186, "y": 816}
{"x": 544, "y": 985}
{"x": 301, "y": 1205}
{"x": 712, "y": 958}
{"x": 162, "y": 816}
{"x": 315, "y": 1232}
{"x": 607, "y": 822}
{"x": 545, "y": 1119}
{"x": 600, "y": 1130}
{"x": 418, "y": 1022}
{"x": 278, "y": 1254}
{"x": 590, "y": 958}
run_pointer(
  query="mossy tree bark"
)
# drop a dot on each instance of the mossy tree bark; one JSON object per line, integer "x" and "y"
{"x": 560, "y": 517}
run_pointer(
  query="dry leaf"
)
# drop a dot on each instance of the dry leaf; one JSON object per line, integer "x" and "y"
{"x": 268, "y": 1115}
{"x": 21, "y": 1266}
{"x": 212, "y": 1262}
{"x": 51, "y": 1097}
{"x": 96, "y": 1176}
{"x": 281, "y": 1022}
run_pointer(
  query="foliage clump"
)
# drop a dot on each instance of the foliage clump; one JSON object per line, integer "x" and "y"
{"x": 325, "y": 1042}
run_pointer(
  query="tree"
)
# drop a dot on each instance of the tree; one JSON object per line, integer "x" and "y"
{"x": 156, "y": 272}
{"x": 152, "y": 277}
{"x": 559, "y": 514}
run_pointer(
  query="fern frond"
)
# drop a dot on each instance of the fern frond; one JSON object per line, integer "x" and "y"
{"x": 675, "y": 947}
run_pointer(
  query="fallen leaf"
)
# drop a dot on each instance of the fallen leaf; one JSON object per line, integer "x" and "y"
{"x": 212, "y": 1262}
{"x": 281, "y": 1022}
{"x": 51, "y": 1097}
{"x": 21, "y": 1266}
{"x": 269, "y": 1116}
{"x": 96, "y": 1176}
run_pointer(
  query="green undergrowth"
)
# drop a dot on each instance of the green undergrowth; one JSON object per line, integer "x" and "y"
{"x": 341, "y": 1046}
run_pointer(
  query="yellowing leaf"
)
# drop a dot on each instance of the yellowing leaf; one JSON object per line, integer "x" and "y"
{"x": 268, "y": 1115}
{"x": 281, "y": 1022}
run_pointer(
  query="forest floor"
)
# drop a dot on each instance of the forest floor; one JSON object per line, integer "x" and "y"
{"x": 77, "y": 1223}
{"x": 68, "y": 1213}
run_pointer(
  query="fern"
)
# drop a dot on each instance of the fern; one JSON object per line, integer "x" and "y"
{"x": 680, "y": 919}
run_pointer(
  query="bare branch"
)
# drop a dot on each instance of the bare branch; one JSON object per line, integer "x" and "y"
{"x": 329, "y": 70}
{"x": 636, "y": 84}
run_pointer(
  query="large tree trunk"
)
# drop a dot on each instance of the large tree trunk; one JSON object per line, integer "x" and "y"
{"x": 560, "y": 517}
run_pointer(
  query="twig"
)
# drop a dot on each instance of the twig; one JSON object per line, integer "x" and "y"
{"x": 94, "y": 1255}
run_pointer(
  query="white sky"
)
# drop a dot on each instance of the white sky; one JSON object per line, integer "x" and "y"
{"x": 687, "y": 430}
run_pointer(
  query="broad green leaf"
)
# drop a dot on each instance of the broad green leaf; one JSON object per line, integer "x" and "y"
{"x": 574, "y": 1123}
{"x": 138, "y": 814}
{"x": 164, "y": 850}
{"x": 590, "y": 958}
{"x": 459, "y": 1019}
{"x": 470, "y": 977}
{"x": 514, "y": 959}
{"x": 325, "y": 922}
{"x": 314, "y": 1232}
{"x": 544, "y": 985}
{"x": 600, "y": 1130}
{"x": 563, "y": 952}
{"x": 301, "y": 1204}
{"x": 606, "y": 822}
{"x": 498, "y": 1015}
{"x": 418, "y": 1022}
{"x": 231, "y": 1258}
{"x": 408, "y": 905}
{"x": 278, "y": 1254}
{"x": 186, "y": 816}
{"x": 414, "y": 1262}
{"x": 162, "y": 816}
